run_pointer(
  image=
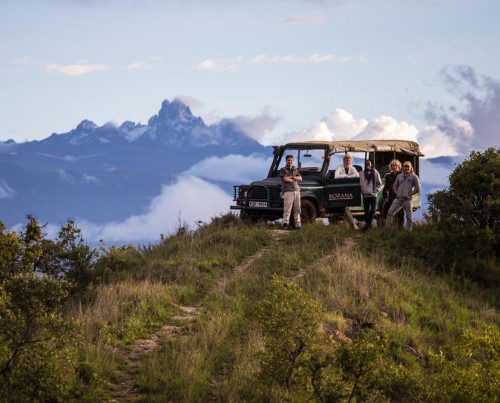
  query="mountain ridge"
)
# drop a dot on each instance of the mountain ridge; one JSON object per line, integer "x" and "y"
{"x": 110, "y": 172}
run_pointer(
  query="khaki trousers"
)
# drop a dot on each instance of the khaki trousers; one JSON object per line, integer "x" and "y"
{"x": 291, "y": 199}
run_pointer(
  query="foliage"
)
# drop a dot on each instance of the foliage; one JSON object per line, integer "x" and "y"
{"x": 464, "y": 232}
{"x": 36, "y": 343}
{"x": 470, "y": 371}
{"x": 464, "y": 251}
{"x": 290, "y": 321}
{"x": 473, "y": 197}
{"x": 332, "y": 324}
{"x": 67, "y": 257}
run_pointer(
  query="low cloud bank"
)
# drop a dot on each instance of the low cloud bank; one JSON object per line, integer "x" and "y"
{"x": 186, "y": 203}
{"x": 234, "y": 169}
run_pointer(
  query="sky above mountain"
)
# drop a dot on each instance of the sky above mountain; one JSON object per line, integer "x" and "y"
{"x": 330, "y": 69}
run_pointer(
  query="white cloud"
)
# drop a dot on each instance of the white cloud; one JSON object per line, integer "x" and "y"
{"x": 190, "y": 101}
{"x": 182, "y": 203}
{"x": 91, "y": 179}
{"x": 232, "y": 63}
{"x": 140, "y": 65}
{"x": 6, "y": 192}
{"x": 386, "y": 128}
{"x": 304, "y": 20}
{"x": 73, "y": 69}
{"x": 231, "y": 168}
{"x": 258, "y": 125}
{"x": 294, "y": 59}
{"x": 207, "y": 64}
{"x": 342, "y": 124}
{"x": 436, "y": 142}
{"x": 66, "y": 177}
{"x": 472, "y": 123}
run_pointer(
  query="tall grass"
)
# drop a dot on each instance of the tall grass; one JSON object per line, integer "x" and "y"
{"x": 217, "y": 357}
{"x": 418, "y": 311}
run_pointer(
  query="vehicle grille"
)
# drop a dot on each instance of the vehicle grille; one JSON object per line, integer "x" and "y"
{"x": 264, "y": 193}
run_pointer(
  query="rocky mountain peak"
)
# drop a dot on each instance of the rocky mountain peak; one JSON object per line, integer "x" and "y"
{"x": 174, "y": 115}
{"x": 86, "y": 126}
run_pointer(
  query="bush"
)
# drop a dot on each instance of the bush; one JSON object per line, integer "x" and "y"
{"x": 473, "y": 196}
{"x": 290, "y": 322}
{"x": 470, "y": 372}
{"x": 37, "y": 344}
{"x": 36, "y": 360}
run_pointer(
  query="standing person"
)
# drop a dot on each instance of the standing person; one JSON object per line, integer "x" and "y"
{"x": 346, "y": 170}
{"x": 389, "y": 193}
{"x": 290, "y": 178}
{"x": 405, "y": 186}
{"x": 370, "y": 186}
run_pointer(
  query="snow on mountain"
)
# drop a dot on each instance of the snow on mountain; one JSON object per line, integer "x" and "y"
{"x": 109, "y": 172}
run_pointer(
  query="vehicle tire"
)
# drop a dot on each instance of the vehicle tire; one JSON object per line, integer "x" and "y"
{"x": 308, "y": 212}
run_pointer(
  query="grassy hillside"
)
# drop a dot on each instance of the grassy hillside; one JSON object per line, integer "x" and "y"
{"x": 322, "y": 314}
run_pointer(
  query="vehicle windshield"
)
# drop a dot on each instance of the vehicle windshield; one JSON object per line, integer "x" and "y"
{"x": 306, "y": 160}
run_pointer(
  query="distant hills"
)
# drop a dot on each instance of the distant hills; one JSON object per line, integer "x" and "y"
{"x": 109, "y": 172}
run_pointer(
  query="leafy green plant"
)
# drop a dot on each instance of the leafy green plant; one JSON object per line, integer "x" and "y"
{"x": 473, "y": 197}
{"x": 470, "y": 371}
{"x": 37, "y": 360}
{"x": 290, "y": 321}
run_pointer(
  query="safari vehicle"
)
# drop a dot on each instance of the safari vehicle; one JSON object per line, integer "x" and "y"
{"x": 322, "y": 195}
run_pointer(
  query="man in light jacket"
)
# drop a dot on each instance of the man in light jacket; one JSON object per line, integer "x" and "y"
{"x": 371, "y": 183}
{"x": 405, "y": 186}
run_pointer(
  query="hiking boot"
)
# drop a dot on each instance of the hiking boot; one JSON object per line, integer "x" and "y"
{"x": 284, "y": 226}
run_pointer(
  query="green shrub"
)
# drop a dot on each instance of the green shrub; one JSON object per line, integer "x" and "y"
{"x": 37, "y": 360}
{"x": 469, "y": 371}
{"x": 290, "y": 320}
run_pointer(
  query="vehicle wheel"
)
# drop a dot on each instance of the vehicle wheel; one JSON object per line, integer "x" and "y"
{"x": 308, "y": 212}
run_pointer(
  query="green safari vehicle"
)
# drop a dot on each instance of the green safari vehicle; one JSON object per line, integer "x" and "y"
{"x": 322, "y": 196}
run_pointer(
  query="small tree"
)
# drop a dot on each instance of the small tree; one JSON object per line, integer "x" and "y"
{"x": 291, "y": 323}
{"x": 37, "y": 344}
{"x": 473, "y": 197}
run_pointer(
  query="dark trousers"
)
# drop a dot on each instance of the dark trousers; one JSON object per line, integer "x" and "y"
{"x": 370, "y": 206}
{"x": 399, "y": 216}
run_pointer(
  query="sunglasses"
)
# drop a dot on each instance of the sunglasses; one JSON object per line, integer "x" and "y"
{"x": 406, "y": 166}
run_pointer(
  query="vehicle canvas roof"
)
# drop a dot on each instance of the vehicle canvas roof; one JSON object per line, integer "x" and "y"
{"x": 401, "y": 146}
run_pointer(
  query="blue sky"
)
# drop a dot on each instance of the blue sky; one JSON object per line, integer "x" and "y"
{"x": 282, "y": 68}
